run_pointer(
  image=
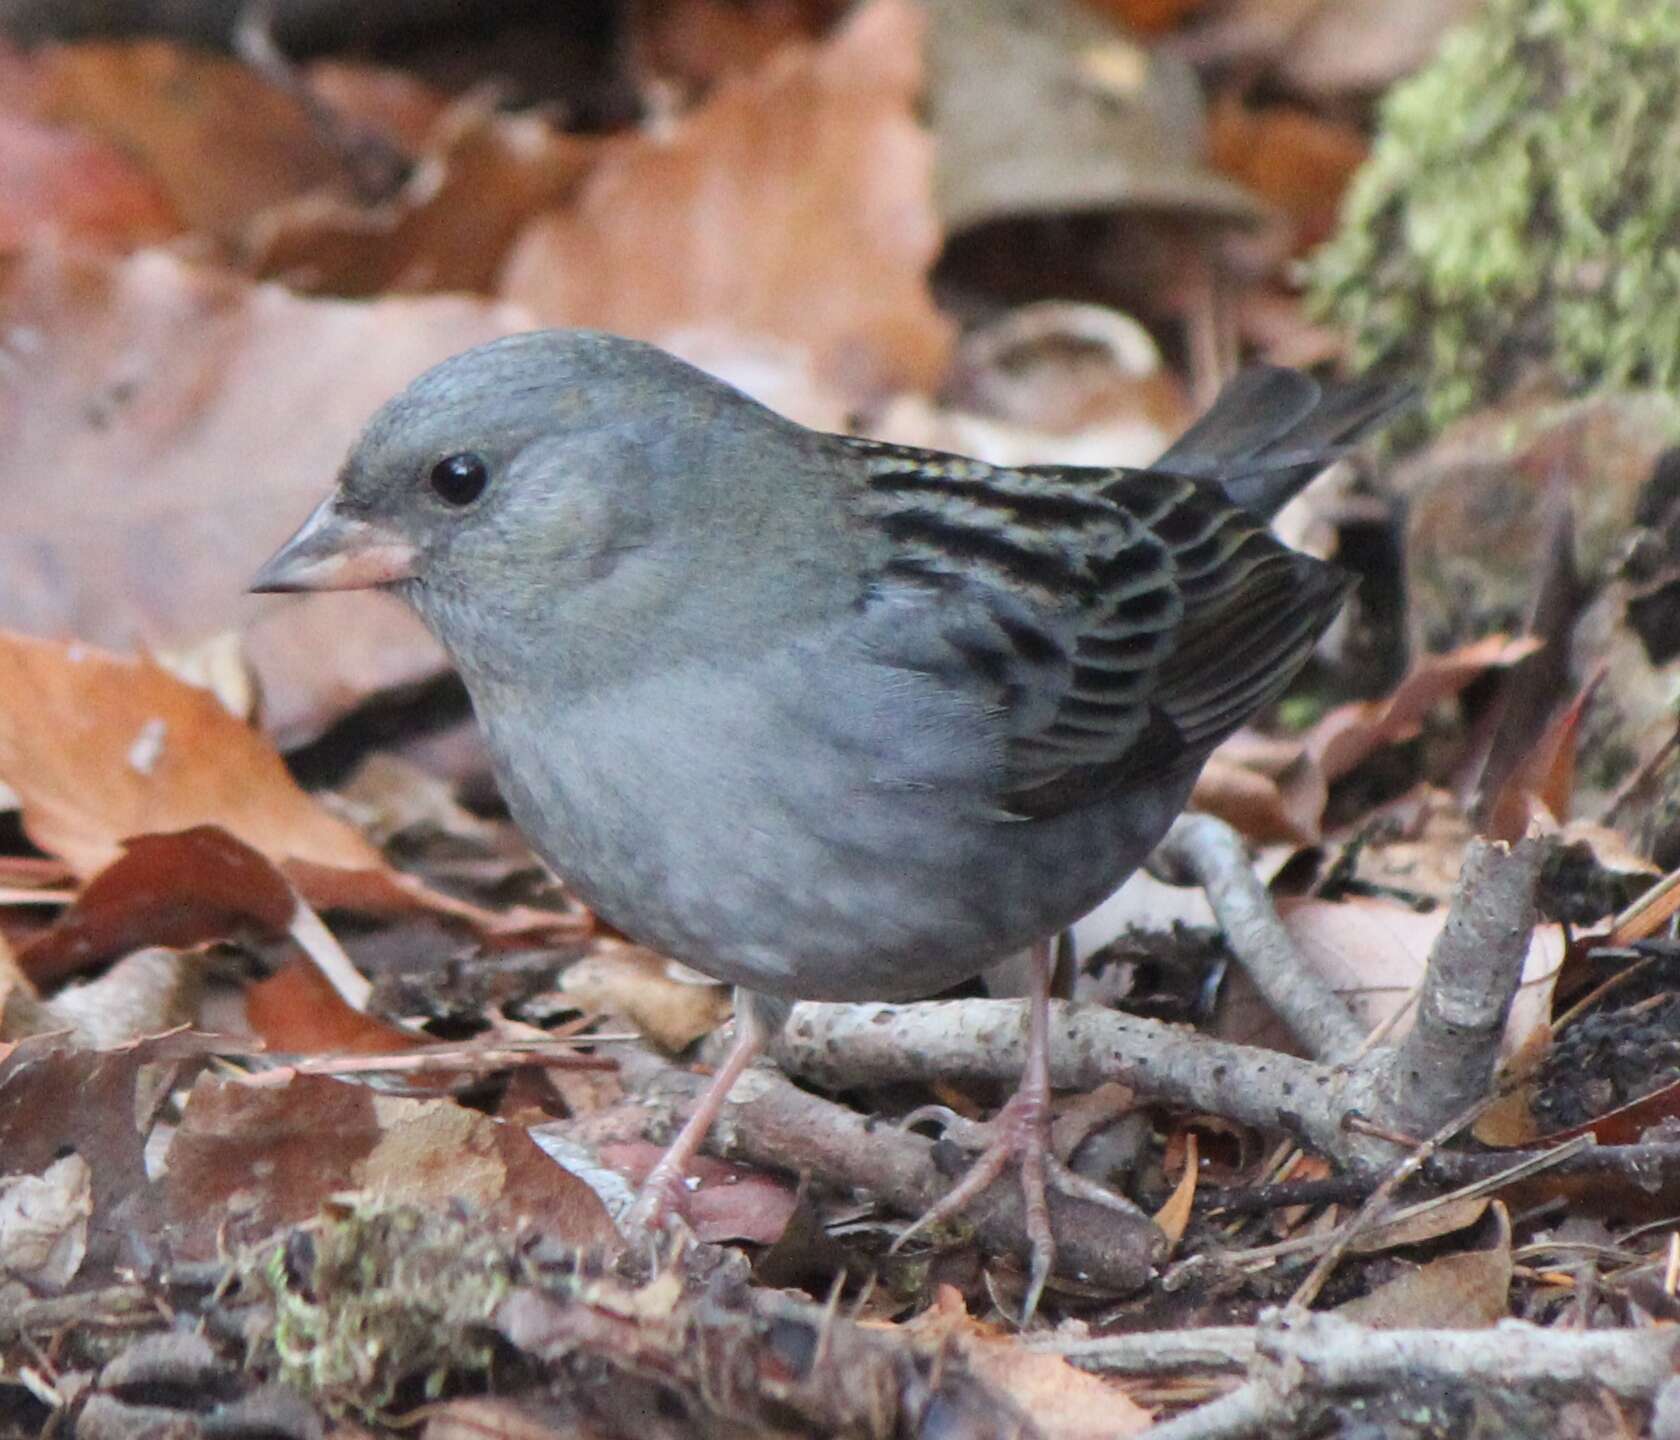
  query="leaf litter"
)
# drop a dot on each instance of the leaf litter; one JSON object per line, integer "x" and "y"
{"x": 332, "y": 1065}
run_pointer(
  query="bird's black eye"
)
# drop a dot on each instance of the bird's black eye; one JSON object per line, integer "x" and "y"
{"x": 459, "y": 479}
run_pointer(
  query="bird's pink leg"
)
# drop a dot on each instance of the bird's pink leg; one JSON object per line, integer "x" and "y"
{"x": 663, "y": 1192}
{"x": 1021, "y": 1132}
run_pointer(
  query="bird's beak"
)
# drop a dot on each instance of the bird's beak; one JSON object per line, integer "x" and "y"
{"x": 335, "y": 551}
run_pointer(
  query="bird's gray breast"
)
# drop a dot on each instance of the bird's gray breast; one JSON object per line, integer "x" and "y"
{"x": 806, "y": 822}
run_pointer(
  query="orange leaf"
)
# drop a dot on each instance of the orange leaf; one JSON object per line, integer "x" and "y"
{"x": 1349, "y": 733}
{"x": 796, "y": 202}
{"x": 1297, "y": 160}
{"x": 179, "y": 890}
{"x": 101, "y": 748}
{"x": 1546, "y": 775}
{"x": 298, "y": 1012}
{"x": 221, "y": 140}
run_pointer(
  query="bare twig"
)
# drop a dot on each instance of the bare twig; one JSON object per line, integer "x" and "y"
{"x": 844, "y": 1045}
{"x": 769, "y": 1121}
{"x": 1211, "y": 851}
{"x": 1343, "y": 1355}
{"x": 1446, "y": 1061}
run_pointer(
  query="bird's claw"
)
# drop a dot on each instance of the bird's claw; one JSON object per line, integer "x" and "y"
{"x": 1019, "y": 1132}
{"x": 659, "y": 1204}
{"x": 970, "y": 1134}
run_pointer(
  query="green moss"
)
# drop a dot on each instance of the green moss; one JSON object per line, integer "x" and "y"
{"x": 374, "y": 1298}
{"x": 1521, "y": 208}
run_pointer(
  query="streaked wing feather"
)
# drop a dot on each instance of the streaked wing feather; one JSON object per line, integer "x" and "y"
{"x": 1119, "y": 623}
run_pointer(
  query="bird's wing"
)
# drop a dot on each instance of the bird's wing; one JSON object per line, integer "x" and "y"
{"x": 1117, "y": 623}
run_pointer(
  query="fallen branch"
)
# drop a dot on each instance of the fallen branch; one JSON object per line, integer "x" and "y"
{"x": 1446, "y": 1062}
{"x": 1317, "y": 1356}
{"x": 841, "y": 1046}
{"x": 1212, "y": 852}
{"x": 771, "y": 1122}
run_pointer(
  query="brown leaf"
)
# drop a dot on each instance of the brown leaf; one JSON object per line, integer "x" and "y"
{"x": 1065, "y": 1403}
{"x": 795, "y": 202}
{"x": 698, "y": 42}
{"x": 147, "y": 992}
{"x": 1373, "y": 953}
{"x": 179, "y": 889}
{"x": 1298, "y": 161}
{"x": 492, "y": 1420}
{"x": 298, "y": 1012}
{"x": 393, "y": 105}
{"x": 1349, "y": 733}
{"x": 53, "y": 179}
{"x": 637, "y": 984}
{"x": 44, "y": 1224}
{"x": 1545, "y": 777}
{"x": 99, "y": 1103}
{"x": 482, "y": 176}
{"x": 223, "y": 142}
{"x": 101, "y": 748}
{"x": 1260, "y": 806}
{"x": 1464, "y": 1291}
{"x": 1325, "y": 51}
{"x": 248, "y": 1160}
{"x": 1173, "y": 1218}
{"x": 1149, "y": 17}
{"x": 188, "y": 421}
{"x": 723, "y": 1201}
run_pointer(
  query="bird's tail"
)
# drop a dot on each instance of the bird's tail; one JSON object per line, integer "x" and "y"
{"x": 1271, "y": 430}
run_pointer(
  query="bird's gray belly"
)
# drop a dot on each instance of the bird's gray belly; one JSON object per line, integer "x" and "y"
{"x": 766, "y": 855}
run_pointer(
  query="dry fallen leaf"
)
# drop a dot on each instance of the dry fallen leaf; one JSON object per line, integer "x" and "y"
{"x": 1460, "y": 1292}
{"x": 1373, "y": 953}
{"x": 189, "y": 420}
{"x": 102, "y": 748}
{"x": 145, "y": 993}
{"x": 1173, "y": 1218}
{"x": 222, "y": 141}
{"x": 795, "y": 203}
{"x": 297, "y": 1011}
{"x": 1065, "y": 1403}
{"x": 487, "y": 1419}
{"x": 1298, "y": 161}
{"x": 56, "y": 180}
{"x": 100, "y": 1104}
{"x": 724, "y": 1201}
{"x": 1259, "y": 806}
{"x": 1350, "y": 732}
{"x": 698, "y": 42}
{"x": 1543, "y": 781}
{"x": 44, "y": 1227}
{"x": 637, "y": 984}
{"x": 481, "y": 177}
{"x": 265, "y": 1157}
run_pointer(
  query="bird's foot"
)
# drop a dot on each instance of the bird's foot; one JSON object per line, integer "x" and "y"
{"x": 662, "y": 1196}
{"x": 1019, "y": 1133}
{"x": 660, "y": 1200}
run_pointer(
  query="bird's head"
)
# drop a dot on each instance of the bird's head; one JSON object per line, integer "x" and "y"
{"x": 505, "y": 490}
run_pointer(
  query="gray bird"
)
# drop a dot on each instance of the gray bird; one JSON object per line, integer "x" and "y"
{"x": 828, "y": 718}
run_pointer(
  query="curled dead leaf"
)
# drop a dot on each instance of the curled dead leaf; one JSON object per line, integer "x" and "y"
{"x": 638, "y": 984}
{"x": 102, "y": 748}
{"x": 795, "y": 202}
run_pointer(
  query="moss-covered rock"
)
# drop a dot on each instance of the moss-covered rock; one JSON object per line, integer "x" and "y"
{"x": 1520, "y": 212}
